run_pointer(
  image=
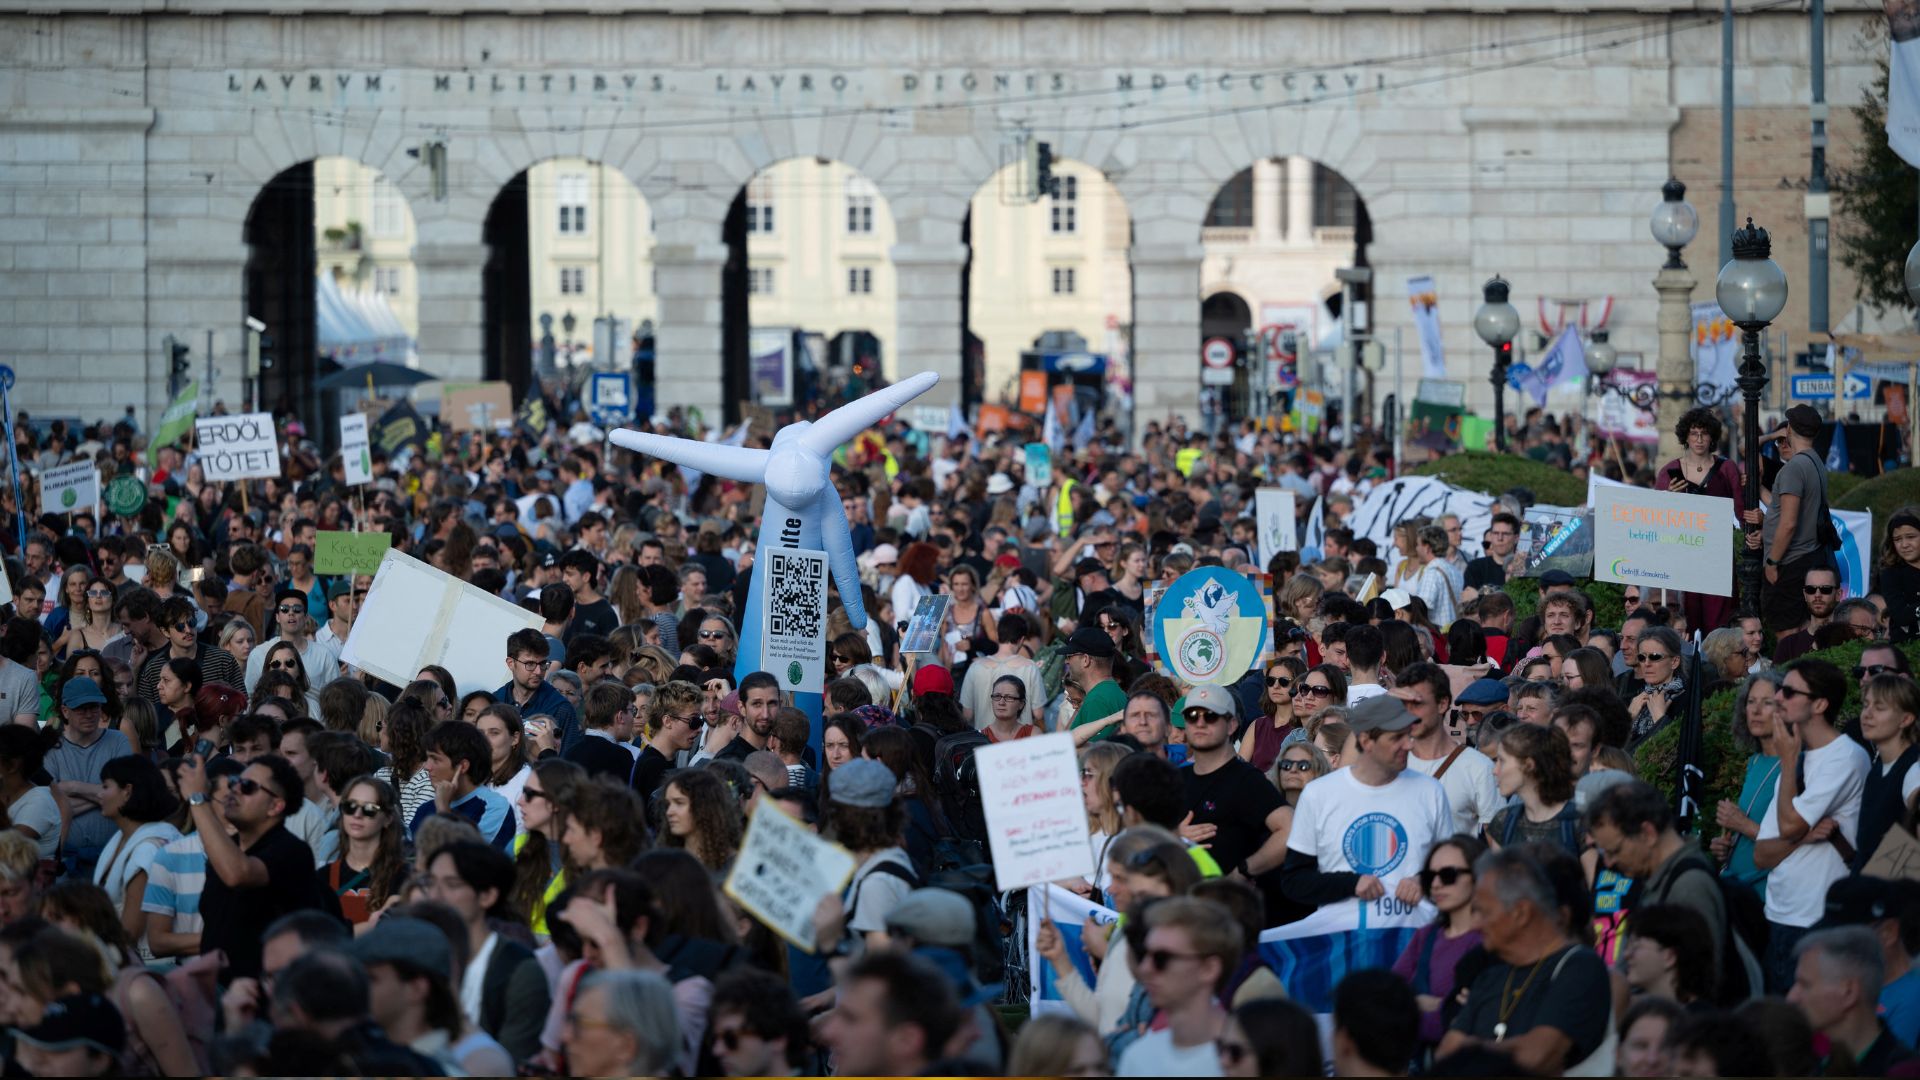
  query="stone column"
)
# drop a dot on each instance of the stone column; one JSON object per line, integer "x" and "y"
{"x": 687, "y": 339}
{"x": 1269, "y": 187}
{"x": 1675, "y": 286}
{"x": 1166, "y": 332}
{"x": 1299, "y": 201}
{"x": 452, "y": 319}
{"x": 928, "y": 334}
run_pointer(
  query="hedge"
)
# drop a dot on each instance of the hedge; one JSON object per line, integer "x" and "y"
{"x": 1609, "y": 610}
{"x": 1883, "y": 495}
{"x": 1497, "y": 474}
{"x": 1726, "y": 765}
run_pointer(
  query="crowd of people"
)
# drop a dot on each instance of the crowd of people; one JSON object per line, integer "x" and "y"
{"x": 228, "y": 851}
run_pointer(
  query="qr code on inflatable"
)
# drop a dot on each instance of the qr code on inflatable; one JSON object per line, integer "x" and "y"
{"x": 794, "y": 608}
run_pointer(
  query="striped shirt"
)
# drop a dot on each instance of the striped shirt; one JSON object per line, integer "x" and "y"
{"x": 174, "y": 883}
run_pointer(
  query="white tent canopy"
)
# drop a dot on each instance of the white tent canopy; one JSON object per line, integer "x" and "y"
{"x": 358, "y": 327}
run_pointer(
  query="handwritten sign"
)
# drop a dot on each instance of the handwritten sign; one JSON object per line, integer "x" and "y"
{"x": 1897, "y": 858}
{"x": 1036, "y": 815}
{"x": 356, "y": 463}
{"x": 783, "y": 871}
{"x": 1273, "y": 512}
{"x": 238, "y": 447}
{"x": 349, "y": 552}
{"x": 69, "y": 488}
{"x": 923, "y": 630}
{"x": 1663, "y": 539}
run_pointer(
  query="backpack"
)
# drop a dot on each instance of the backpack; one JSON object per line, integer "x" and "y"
{"x": 1746, "y": 934}
{"x": 956, "y": 787}
{"x": 975, "y": 883}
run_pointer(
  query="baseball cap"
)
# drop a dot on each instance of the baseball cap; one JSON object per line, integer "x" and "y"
{"x": 1090, "y": 640}
{"x": 1214, "y": 699}
{"x": 1858, "y": 901}
{"x": 1381, "y": 712}
{"x": 399, "y": 939}
{"x": 1483, "y": 692}
{"x": 343, "y": 587}
{"x": 1399, "y": 598}
{"x": 550, "y": 560}
{"x": 934, "y": 917}
{"x": 75, "y": 1021}
{"x": 1181, "y": 548}
{"x": 81, "y": 691}
{"x": 932, "y": 679}
{"x": 885, "y": 553}
{"x": 1088, "y": 566}
{"x": 1556, "y": 577}
{"x": 863, "y": 783}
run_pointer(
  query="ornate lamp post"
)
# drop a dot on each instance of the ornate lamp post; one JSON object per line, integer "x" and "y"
{"x": 1497, "y": 322}
{"x": 1674, "y": 223}
{"x": 1752, "y": 291}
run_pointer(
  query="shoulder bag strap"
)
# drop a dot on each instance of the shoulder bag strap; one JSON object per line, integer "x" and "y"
{"x": 1448, "y": 764}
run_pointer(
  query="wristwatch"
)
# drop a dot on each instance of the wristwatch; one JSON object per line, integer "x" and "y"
{"x": 1773, "y": 562}
{"x": 197, "y": 799}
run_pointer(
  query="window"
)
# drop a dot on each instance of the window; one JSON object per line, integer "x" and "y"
{"x": 571, "y": 190}
{"x": 860, "y": 280}
{"x": 860, "y": 192}
{"x": 760, "y": 205}
{"x": 389, "y": 210}
{"x": 759, "y": 280}
{"x": 1066, "y": 207}
{"x": 1233, "y": 207}
{"x": 386, "y": 280}
{"x": 1063, "y": 281}
{"x": 1335, "y": 204}
{"x": 573, "y": 279}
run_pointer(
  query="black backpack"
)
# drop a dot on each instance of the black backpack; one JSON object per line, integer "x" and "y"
{"x": 1746, "y": 933}
{"x": 956, "y": 787}
{"x": 975, "y": 883}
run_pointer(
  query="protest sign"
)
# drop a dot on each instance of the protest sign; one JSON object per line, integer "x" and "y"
{"x": 1069, "y": 913}
{"x": 68, "y": 488}
{"x": 415, "y": 615}
{"x": 784, "y": 870}
{"x": 349, "y": 552}
{"x": 1897, "y": 858}
{"x": 476, "y": 406}
{"x": 1273, "y": 512}
{"x": 923, "y": 630}
{"x": 793, "y": 645}
{"x": 1210, "y": 626}
{"x": 238, "y": 447}
{"x": 1663, "y": 539}
{"x": 126, "y": 495}
{"x": 356, "y": 462}
{"x": 1559, "y": 540}
{"x": 1040, "y": 465}
{"x": 1036, "y": 814}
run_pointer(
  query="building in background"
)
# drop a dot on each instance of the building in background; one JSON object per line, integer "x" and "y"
{"x": 590, "y": 251}
{"x": 364, "y": 235}
{"x": 819, "y": 238}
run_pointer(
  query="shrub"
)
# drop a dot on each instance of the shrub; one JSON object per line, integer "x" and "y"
{"x": 1883, "y": 495}
{"x": 1497, "y": 474}
{"x": 1609, "y": 611}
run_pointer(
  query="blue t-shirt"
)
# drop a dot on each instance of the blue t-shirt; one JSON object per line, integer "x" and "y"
{"x": 485, "y": 807}
{"x": 1900, "y": 1006}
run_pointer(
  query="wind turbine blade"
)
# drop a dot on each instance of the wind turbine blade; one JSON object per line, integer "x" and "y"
{"x": 842, "y": 424}
{"x": 731, "y": 462}
{"x": 837, "y": 538}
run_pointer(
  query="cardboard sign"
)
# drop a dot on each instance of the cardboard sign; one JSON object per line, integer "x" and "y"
{"x": 783, "y": 871}
{"x": 68, "y": 488}
{"x": 923, "y": 630}
{"x": 238, "y": 447}
{"x": 793, "y": 618}
{"x": 1036, "y": 814}
{"x": 350, "y": 552}
{"x": 1663, "y": 539}
{"x": 1897, "y": 858}
{"x": 356, "y": 458}
{"x": 415, "y": 615}
{"x": 476, "y": 406}
{"x": 1273, "y": 514}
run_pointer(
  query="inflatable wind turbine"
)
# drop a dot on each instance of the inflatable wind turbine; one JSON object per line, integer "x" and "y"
{"x": 802, "y": 508}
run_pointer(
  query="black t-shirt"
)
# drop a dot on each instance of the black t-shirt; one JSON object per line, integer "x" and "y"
{"x": 236, "y": 918}
{"x": 737, "y": 750}
{"x": 595, "y": 618}
{"x": 1484, "y": 572}
{"x": 1559, "y": 992}
{"x": 652, "y": 767}
{"x": 1900, "y": 584}
{"x": 1236, "y": 798}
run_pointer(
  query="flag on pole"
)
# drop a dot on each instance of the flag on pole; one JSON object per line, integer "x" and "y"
{"x": 534, "y": 414}
{"x": 1083, "y": 432}
{"x": 1903, "y": 80}
{"x": 1050, "y": 427}
{"x": 1566, "y": 358}
{"x": 176, "y": 421}
{"x": 1837, "y": 460}
{"x": 1424, "y": 295}
{"x": 1522, "y": 376}
{"x": 1691, "y": 755}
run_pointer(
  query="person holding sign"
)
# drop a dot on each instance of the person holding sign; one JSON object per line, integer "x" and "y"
{"x": 1700, "y": 471}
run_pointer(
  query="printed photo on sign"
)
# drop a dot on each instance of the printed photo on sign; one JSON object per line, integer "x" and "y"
{"x": 923, "y": 630}
{"x": 793, "y": 638}
{"x": 240, "y": 447}
{"x": 1036, "y": 813}
{"x": 783, "y": 871}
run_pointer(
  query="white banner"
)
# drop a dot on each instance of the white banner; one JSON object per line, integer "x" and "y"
{"x": 1663, "y": 540}
{"x": 1425, "y": 298}
{"x": 356, "y": 459}
{"x": 1273, "y": 514}
{"x": 238, "y": 447}
{"x": 68, "y": 488}
{"x": 1903, "y": 80}
{"x": 1036, "y": 814}
{"x": 783, "y": 871}
{"x": 1714, "y": 346}
{"x": 793, "y": 619}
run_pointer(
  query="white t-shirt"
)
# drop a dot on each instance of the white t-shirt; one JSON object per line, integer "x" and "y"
{"x": 1836, "y": 777}
{"x": 37, "y": 811}
{"x": 1351, "y": 828}
{"x": 1154, "y": 1054}
{"x": 873, "y": 896}
{"x": 1359, "y": 692}
{"x": 1471, "y": 789}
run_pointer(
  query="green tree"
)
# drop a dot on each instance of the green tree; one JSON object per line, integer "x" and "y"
{"x": 1879, "y": 216}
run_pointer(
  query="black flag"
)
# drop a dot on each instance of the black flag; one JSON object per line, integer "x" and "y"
{"x": 1690, "y": 758}
{"x": 399, "y": 426}
{"x": 534, "y": 414}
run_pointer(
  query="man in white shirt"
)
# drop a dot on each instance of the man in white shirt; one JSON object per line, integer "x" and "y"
{"x": 1363, "y": 832}
{"x": 503, "y": 990}
{"x": 1365, "y": 649}
{"x": 321, "y": 660}
{"x": 1192, "y": 946}
{"x": 1465, "y": 773}
{"x": 1806, "y": 839}
{"x": 343, "y": 606}
{"x": 1434, "y": 582}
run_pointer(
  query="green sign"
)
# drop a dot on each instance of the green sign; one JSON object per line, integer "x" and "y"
{"x": 177, "y": 420}
{"x": 349, "y": 552}
{"x": 126, "y": 495}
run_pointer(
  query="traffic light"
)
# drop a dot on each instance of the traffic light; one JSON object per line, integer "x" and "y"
{"x": 1504, "y": 351}
{"x": 177, "y": 356}
{"x": 1045, "y": 182}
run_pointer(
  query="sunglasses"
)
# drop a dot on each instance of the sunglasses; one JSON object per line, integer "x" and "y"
{"x": 1819, "y": 590}
{"x": 731, "y": 1038}
{"x": 712, "y": 635}
{"x": 1162, "y": 959}
{"x": 530, "y": 793}
{"x": 247, "y": 785}
{"x": 360, "y": 809}
{"x": 284, "y": 665}
{"x": 1316, "y": 690}
{"x": 1006, "y": 697}
{"x": 1860, "y": 672}
{"x": 1653, "y": 657}
{"x": 1294, "y": 766}
{"x": 1793, "y": 692}
{"x": 1279, "y": 680}
{"x": 182, "y": 627}
{"x": 1446, "y": 875}
{"x": 289, "y": 609}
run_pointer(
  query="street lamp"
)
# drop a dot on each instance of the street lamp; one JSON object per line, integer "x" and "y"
{"x": 1602, "y": 357}
{"x": 1752, "y": 291}
{"x": 1497, "y": 322}
{"x": 1674, "y": 222}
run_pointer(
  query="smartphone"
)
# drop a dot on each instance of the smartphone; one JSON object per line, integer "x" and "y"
{"x": 204, "y": 748}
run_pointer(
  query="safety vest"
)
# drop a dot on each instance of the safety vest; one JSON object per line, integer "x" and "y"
{"x": 1185, "y": 458}
{"x": 1063, "y": 510}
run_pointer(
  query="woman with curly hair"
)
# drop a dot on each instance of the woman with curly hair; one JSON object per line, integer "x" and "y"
{"x": 1700, "y": 470}
{"x": 373, "y": 849}
{"x": 702, "y": 816}
{"x": 405, "y": 742}
{"x": 540, "y": 863}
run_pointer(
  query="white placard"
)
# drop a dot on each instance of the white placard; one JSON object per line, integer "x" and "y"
{"x": 783, "y": 871}
{"x": 1036, "y": 815}
{"x": 356, "y": 457}
{"x": 793, "y": 618}
{"x": 415, "y": 615}
{"x": 238, "y": 447}
{"x": 1273, "y": 511}
{"x": 68, "y": 488}
{"x": 1663, "y": 540}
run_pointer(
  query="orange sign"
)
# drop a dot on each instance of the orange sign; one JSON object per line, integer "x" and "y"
{"x": 1033, "y": 391}
{"x": 993, "y": 418}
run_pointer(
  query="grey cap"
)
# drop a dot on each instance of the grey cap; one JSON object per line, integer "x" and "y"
{"x": 863, "y": 782}
{"x": 398, "y": 939}
{"x": 1213, "y": 699}
{"x": 934, "y": 917}
{"x": 1382, "y": 712}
